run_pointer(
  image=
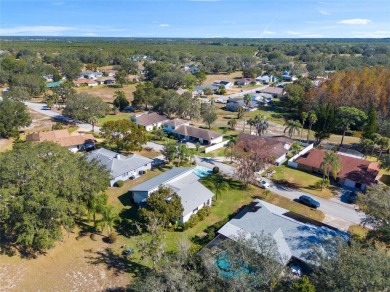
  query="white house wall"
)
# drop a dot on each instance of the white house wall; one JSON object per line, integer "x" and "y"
{"x": 129, "y": 174}
{"x": 186, "y": 217}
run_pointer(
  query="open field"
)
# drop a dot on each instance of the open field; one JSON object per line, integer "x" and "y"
{"x": 106, "y": 93}
{"x": 228, "y": 77}
{"x": 111, "y": 117}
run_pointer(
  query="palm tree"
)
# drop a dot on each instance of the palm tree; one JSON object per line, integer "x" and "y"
{"x": 312, "y": 120}
{"x": 304, "y": 116}
{"x": 292, "y": 127}
{"x": 93, "y": 121}
{"x": 95, "y": 206}
{"x": 232, "y": 123}
{"x": 219, "y": 187}
{"x": 251, "y": 123}
{"x": 261, "y": 124}
{"x": 331, "y": 162}
{"x": 108, "y": 219}
{"x": 240, "y": 112}
{"x": 247, "y": 100}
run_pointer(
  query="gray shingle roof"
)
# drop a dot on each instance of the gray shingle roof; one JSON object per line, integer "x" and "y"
{"x": 118, "y": 164}
{"x": 293, "y": 238}
{"x": 150, "y": 119}
{"x": 161, "y": 179}
{"x": 192, "y": 131}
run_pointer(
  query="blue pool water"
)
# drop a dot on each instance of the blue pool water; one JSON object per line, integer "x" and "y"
{"x": 202, "y": 171}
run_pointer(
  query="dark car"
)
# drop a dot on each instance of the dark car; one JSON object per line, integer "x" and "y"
{"x": 306, "y": 200}
{"x": 351, "y": 197}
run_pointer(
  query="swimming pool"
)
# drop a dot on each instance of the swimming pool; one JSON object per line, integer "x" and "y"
{"x": 225, "y": 268}
{"x": 202, "y": 171}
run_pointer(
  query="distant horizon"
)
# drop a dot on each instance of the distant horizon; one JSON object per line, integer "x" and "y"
{"x": 245, "y": 19}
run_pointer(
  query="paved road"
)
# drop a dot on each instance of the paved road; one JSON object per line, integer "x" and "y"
{"x": 239, "y": 94}
{"x": 42, "y": 108}
{"x": 337, "y": 213}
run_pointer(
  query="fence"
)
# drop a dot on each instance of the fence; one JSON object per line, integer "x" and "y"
{"x": 291, "y": 162}
{"x": 216, "y": 146}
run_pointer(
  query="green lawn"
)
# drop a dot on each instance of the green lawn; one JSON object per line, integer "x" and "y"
{"x": 110, "y": 117}
{"x": 358, "y": 231}
{"x": 301, "y": 180}
{"x": 225, "y": 206}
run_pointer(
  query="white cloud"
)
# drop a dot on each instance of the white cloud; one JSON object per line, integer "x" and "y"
{"x": 164, "y": 25}
{"x": 90, "y": 34}
{"x": 293, "y": 33}
{"x": 312, "y": 35}
{"x": 355, "y": 21}
{"x": 323, "y": 12}
{"x": 34, "y": 30}
{"x": 372, "y": 34}
{"x": 268, "y": 32}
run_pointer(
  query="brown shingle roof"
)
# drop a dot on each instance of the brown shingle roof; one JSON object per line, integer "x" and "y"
{"x": 150, "y": 119}
{"x": 273, "y": 146}
{"x": 192, "y": 131}
{"x": 61, "y": 137}
{"x": 355, "y": 169}
{"x": 273, "y": 90}
{"x": 176, "y": 122}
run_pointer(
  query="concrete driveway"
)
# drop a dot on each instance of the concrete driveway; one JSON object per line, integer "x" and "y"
{"x": 42, "y": 108}
{"x": 337, "y": 213}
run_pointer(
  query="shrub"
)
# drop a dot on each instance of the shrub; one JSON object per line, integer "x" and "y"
{"x": 112, "y": 237}
{"x": 215, "y": 169}
{"x": 57, "y": 126}
{"x": 204, "y": 212}
{"x": 194, "y": 219}
{"x": 119, "y": 183}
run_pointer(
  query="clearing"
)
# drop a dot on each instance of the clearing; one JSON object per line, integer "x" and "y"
{"x": 106, "y": 93}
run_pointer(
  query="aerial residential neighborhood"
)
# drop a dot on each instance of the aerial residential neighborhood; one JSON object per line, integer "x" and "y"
{"x": 194, "y": 146}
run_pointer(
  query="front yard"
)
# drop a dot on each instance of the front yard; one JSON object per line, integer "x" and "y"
{"x": 302, "y": 180}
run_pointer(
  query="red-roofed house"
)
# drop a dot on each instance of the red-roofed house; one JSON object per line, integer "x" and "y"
{"x": 355, "y": 173}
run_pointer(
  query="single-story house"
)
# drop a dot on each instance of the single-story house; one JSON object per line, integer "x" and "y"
{"x": 182, "y": 180}
{"x": 277, "y": 147}
{"x": 232, "y": 104}
{"x": 274, "y": 91}
{"x": 265, "y": 79}
{"x": 247, "y": 81}
{"x": 355, "y": 173}
{"x": 194, "y": 134}
{"x": 110, "y": 73}
{"x": 62, "y": 137}
{"x": 199, "y": 90}
{"x": 105, "y": 80}
{"x": 121, "y": 167}
{"x": 171, "y": 125}
{"x": 83, "y": 81}
{"x": 150, "y": 121}
{"x": 226, "y": 84}
{"x": 294, "y": 235}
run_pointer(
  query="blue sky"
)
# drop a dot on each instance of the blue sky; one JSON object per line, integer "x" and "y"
{"x": 197, "y": 18}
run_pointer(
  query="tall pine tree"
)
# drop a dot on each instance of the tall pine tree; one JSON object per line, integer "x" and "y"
{"x": 370, "y": 129}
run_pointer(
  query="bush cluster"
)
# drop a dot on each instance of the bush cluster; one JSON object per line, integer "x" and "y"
{"x": 215, "y": 169}
{"x": 119, "y": 183}
{"x": 195, "y": 218}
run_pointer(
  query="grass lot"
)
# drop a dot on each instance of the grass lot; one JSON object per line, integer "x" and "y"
{"x": 106, "y": 92}
{"x": 118, "y": 116}
{"x": 146, "y": 153}
{"x": 301, "y": 180}
{"x": 358, "y": 231}
{"x": 229, "y": 77}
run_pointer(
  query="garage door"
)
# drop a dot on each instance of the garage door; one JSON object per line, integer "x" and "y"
{"x": 349, "y": 183}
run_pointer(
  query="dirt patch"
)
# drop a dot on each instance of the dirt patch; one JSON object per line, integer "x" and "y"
{"x": 40, "y": 122}
{"x": 73, "y": 265}
{"x": 107, "y": 93}
{"x": 5, "y": 144}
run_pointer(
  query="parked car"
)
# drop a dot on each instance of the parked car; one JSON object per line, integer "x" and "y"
{"x": 264, "y": 184}
{"x": 351, "y": 197}
{"x": 306, "y": 200}
{"x": 128, "y": 251}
